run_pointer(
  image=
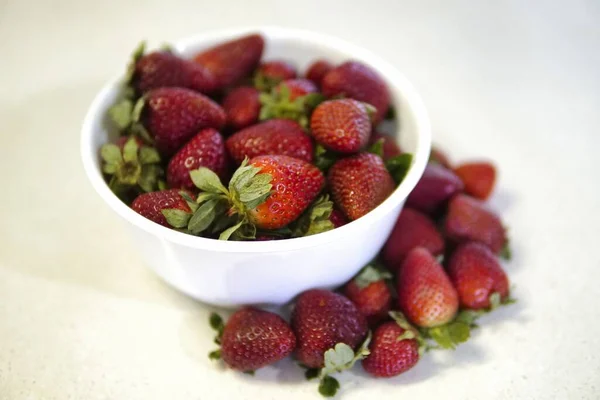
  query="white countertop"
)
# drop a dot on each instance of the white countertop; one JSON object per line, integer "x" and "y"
{"x": 516, "y": 81}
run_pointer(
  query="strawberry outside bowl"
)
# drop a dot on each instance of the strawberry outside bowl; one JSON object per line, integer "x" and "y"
{"x": 234, "y": 273}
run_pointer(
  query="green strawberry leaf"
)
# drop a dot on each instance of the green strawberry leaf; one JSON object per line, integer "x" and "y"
{"x": 189, "y": 200}
{"x": 398, "y": 166}
{"x": 111, "y": 154}
{"x": 226, "y": 234}
{"x": 371, "y": 110}
{"x": 109, "y": 169}
{"x": 370, "y": 274}
{"x": 328, "y": 386}
{"x": 137, "y": 54}
{"x": 315, "y": 219}
{"x": 203, "y": 217}
{"x": 177, "y": 218}
{"x": 121, "y": 113}
{"x": 313, "y": 100}
{"x": 506, "y": 252}
{"x": 215, "y": 355}
{"x": 450, "y": 335}
{"x": 390, "y": 113}
{"x": 323, "y": 158}
{"x": 277, "y": 104}
{"x": 377, "y": 148}
{"x": 130, "y": 150}
{"x": 149, "y": 177}
{"x": 311, "y": 373}
{"x": 207, "y": 181}
{"x": 149, "y": 155}
{"x": 216, "y": 322}
{"x": 265, "y": 83}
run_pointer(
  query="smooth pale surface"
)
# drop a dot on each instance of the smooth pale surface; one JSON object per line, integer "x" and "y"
{"x": 518, "y": 82}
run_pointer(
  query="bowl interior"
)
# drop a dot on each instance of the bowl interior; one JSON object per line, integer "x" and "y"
{"x": 412, "y": 129}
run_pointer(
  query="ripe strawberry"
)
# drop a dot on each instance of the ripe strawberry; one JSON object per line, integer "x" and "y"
{"x": 317, "y": 70}
{"x": 476, "y": 274}
{"x": 151, "y": 205}
{"x": 390, "y": 146}
{"x": 341, "y": 125}
{"x": 173, "y": 115}
{"x": 254, "y": 338}
{"x": 394, "y": 350}
{"x": 272, "y": 137}
{"x": 425, "y": 294}
{"x": 321, "y": 319}
{"x": 359, "y": 184}
{"x": 206, "y": 149}
{"x": 412, "y": 229}
{"x": 438, "y": 156}
{"x": 242, "y": 107}
{"x": 231, "y": 61}
{"x": 165, "y": 69}
{"x": 435, "y": 187}
{"x": 478, "y": 177}
{"x": 468, "y": 219}
{"x": 360, "y": 82}
{"x": 337, "y": 218}
{"x": 370, "y": 293}
{"x": 297, "y": 87}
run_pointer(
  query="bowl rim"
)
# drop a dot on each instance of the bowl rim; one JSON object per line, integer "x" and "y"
{"x": 393, "y": 77}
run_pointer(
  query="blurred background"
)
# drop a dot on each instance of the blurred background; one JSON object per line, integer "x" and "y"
{"x": 515, "y": 81}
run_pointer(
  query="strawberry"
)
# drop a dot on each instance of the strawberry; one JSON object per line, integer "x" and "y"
{"x": 231, "y": 61}
{"x": 297, "y": 87}
{"x": 438, "y": 156}
{"x": 468, "y": 219}
{"x": 165, "y": 69}
{"x": 359, "y": 184}
{"x": 341, "y": 125}
{"x": 478, "y": 178}
{"x": 337, "y": 218}
{"x": 270, "y": 73}
{"x": 293, "y": 99}
{"x": 425, "y": 294}
{"x": 360, "y": 82}
{"x": 206, "y": 149}
{"x": 171, "y": 116}
{"x": 317, "y": 70}
{"x": 242, "y": 107}
{"x": 394, "y": 349}
{"x": 151, "y": 205}
{"x": 435, "y": 187}
{"x": 253, "y": 338}
{"x": 412, "y": 229}
{"x": 477, "y": 275}
{"x": 276, "y": 136}
{"x": 390, "y": 147}
{"x": 370, "y": 293}
{"x": 321, "y": 319}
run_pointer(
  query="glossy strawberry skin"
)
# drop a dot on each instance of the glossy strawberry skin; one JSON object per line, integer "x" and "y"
{"x": 231, "y": 61}
{"x": 272, "y": 137}
{"x": 436, "y": 186}
{"x": 164, "y": 69}
{"x": 321, "y": 319}
{"x": 425, "y": 294}
{"x": 341, "y": 125}
{"x": 469, "y": 220}
{"x": 373, "y": 301}
{"x": 296, "y": 184}
{"x": 390, "y": 356}
{"x": 150, "y": 205}
{"x": 476, "y": 274}
{"x": 478, "y": 177}
{"x": 277, "y": 69}
{"x": 174, "y": 115}
{"x": 359, "y": 184}
{"x": 391, "y": 148}
{"x": 242, "y": 107}
{"x": 317, "y": 70}
{"x": 206, "y": 149}
{"x": 254, "y": 338}
{"x": 412, "y": 229}
{"x": 298, "y": 87}
{"x": 360, "y": 82}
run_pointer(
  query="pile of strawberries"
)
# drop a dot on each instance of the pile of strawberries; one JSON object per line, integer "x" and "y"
{"x": 226, "y": 146}
{"x": 303, "y": 156}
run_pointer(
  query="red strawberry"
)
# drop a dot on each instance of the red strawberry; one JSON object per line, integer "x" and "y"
{"x": 206, "y": 149}
{"x": 174, "y": 115}
{"x": 390, "y": 146}
{"x": 476, "y": 274}
{"x": 165, "y": 69}
{"x": 412, "y": 229}
{"x": 434, "y": 188}
{"x": 359, "y": 184}
{"x": 151, "y": 205}
{"x": 478, "y": 177}
{"x": 468, "y": 219}
{"x": 371, "y": 295}
{"x": 425, "y": 294}
{"x": 297, "y": 87}
{"x": 341, "y": 125}
{"x": 275, "y": 136}
{"x": 337, "y": 218}
{"x": 295, "y": 183}
{"x": 317, "y": 70}
{"x": 242, "y": 107}
{"x": 360, "y": 82}
{"x": 394, "y": 350}
{"x": 321, "y": 319}
{"x": 277, "y": 69}
{"x": 231, "y": 61}
{"x": 254, "y": 338}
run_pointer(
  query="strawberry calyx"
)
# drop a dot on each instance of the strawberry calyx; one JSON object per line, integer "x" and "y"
{"x": 398, "y": 166}
{"x": 278, "y": 104}
{"x": 323, "y": 158}
{"x": 315, "y": 219}
{"x": 371, "y": 274}
{"x": 410, "y": 332}
{"x": 216, "y": 322}
{"x": 225, "y": 210}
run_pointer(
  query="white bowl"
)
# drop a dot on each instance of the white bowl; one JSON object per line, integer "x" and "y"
{"x": 271, "y": 272}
